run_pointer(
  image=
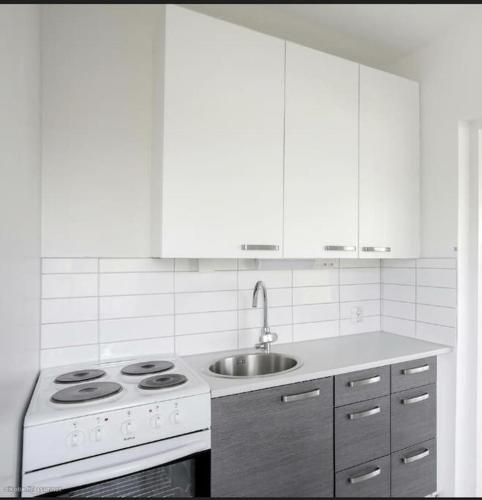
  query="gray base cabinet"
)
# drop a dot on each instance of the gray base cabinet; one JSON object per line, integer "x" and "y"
{"x": 274, "y": 442}
{"x": 370, "y": 433}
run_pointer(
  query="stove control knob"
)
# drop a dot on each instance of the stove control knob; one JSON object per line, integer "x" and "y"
{"x": 75, "y": 438}
{"x": 156, "y": 421}
{"x": 176, "y": 417}
{"x": 127, "y": 428}
{"x": 97, "y": 434}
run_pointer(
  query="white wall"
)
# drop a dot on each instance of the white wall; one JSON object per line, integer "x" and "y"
{"x": 19, "y": 226}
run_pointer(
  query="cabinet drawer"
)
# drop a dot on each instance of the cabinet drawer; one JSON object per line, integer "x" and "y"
{"x": 414, "y": 374}
{"x": 362, "y": 432}
{"x": 362, "y": 385}
{"x": 368, "y": 480}
{"x": 413, "y": 416}
{"x": 414, "y": 470}
{"x": 274, "y": 442}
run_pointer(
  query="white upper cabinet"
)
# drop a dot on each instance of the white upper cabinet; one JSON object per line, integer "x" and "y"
{"x": 389, "y": 165}
{"x": 321, "y": 155}
{"x": 218, "y": 140}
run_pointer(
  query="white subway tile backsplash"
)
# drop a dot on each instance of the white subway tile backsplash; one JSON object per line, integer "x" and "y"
{"x": 445, "y": 316}
{"x": 277, "y": 297}
{"x": 69, "y": 266}
{"x": 68, "y": 355}
{"x": 403, "y": 310}
{"x": 436, "y": 333}
{"x": 135, "y": 283}
{"x": 252, "y": 318}
{"x": 205, "y": 282}
{"x": 367, "y": 324}
{"x": 349, "y": 293}
{"x": 315, "y": 295}
{"x": 399, "y": 326}
{"x": 402, "y": 293}
{"x": 367, "y": 308}
{"x": 446, "y": 263}
{"x": 69, "y": 285}
{"x": 115, "y": 330}
{"x": 397, "y": 276}
{"x": 272, "y": 279}
{"x": 68, "y": 334}
{"x": 315, "y": 277}
{"x": 205, "y": 322}
{"x": 359, "y": 263}
{"x": 437, "y": 296}
{"x": 444, "y": 278}
{"x": 353, "y": 276}
{"x": 129, "y": 306}
{"x": 67, "y": 310}
{"x": 205, "y": 302}
{"x": 135, "y": 265}
{"x": 250, "y": 337}
{"x": 313, "y": 313}
{"x": 404, "y": 263}
{"x": 205, "y": 342}
{"x": 312, "y": 331}
{"x": 153, "y": 347}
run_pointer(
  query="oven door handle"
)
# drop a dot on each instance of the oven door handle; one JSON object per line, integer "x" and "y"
{"x": 94, "y": 472}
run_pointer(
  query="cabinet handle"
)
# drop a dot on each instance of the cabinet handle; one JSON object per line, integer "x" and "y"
{"x": 416, "y": 399}
{"x": 418, "y": 369}
{"x": 260, "y": 247}
{"x": 377, "y": 249}
{"x": 365, "y": 477}
{"x": 364, "y": 381}
{"x": 340, "y": 248}
{"x": 418, "y": 456}
{"x": 302, "y": 395}
{"x": 366, "y": 413}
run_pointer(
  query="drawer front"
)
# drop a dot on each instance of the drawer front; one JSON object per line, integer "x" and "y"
{"x": 414, "y": 470}
{"x": 362, "y": 385}
{"x": 274, "y": 442}
{"x": 414, "y": 374}
{"x": 413, "y": 416}
{"x": 362, "y": 432}
{"x": 368, "y": 480}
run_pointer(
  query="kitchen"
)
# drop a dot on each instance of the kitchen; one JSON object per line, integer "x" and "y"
{"x": 240, "y": 247}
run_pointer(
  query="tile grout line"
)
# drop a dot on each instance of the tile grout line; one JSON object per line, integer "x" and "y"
{"x": 98, "y": 310}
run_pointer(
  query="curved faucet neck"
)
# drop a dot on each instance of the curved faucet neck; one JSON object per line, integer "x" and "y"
{"x": 260, "y": 285}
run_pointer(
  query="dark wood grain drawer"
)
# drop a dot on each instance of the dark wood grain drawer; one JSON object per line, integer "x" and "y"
{"x": 414, "y": 374}
{"x": 413, "y": 416}
{"x": 274, "y": 442}
{"x": 414, "y": 470}
{"x": 368, "y": 480}
{"x": 362, "y": 432}
{"x": 362, "y": 385}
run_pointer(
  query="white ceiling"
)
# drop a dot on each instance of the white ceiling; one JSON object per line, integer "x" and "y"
{"x": 375, "y": 34}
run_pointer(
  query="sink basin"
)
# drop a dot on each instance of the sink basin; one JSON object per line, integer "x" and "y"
{"x": 253, "y": 365}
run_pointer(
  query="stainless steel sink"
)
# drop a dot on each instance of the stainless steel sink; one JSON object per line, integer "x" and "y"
{"x": 254, "y": 365}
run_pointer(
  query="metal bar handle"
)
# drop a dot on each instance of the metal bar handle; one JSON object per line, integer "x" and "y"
{"x": 302, "y": 395}
{"x": 377, "y": 249}
{"x": 364, "y": 381}
{"x": 417, "y": 369}
{"x": 260, "y": 247}
{"x": 418, "y": 456}
{"x": 416, "y": 399}
{"x": 365, "y": 477}
{"x": 366, "y": 413}
{"x": 340, "y": 248}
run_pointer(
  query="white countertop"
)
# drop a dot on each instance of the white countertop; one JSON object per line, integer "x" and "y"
{"x": 320, "y": 358}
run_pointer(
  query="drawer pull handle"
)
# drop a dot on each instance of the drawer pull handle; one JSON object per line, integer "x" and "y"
{"x": 418, "y": 456}
{"x": 340, "y": 248}
{"x": 364, "y": 381}
{"x": 260, "y": 247}
{"x": 302, "y": 395}
{"x": 414, "y": 371}
{"x": 365, "y": 477}
{"x": 366, "y": 413}
{"x": 416, "y": 399}
{"x": 377, "y": 249}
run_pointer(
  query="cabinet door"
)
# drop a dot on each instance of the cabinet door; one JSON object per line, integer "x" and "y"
{"x": 389, "y": 165}
{"x": 267, "y": 445}
{"x": 222, "y": 150}
{"x": 321, "y": 154}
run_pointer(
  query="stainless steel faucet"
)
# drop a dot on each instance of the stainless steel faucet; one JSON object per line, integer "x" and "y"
{"x": 267, "y": 337}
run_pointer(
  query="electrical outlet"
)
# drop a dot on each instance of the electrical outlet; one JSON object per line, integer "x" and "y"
{"x": 356, "y": 314}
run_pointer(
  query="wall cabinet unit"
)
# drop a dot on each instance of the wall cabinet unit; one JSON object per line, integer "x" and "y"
{"x": 321, "y": 155}
{"x": 347, "y": 436}
{"x": 389, "y": 165}
{"x": 218, "y": 152}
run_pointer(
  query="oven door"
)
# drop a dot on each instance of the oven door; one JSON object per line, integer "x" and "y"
{"x": 173, "y": 467}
